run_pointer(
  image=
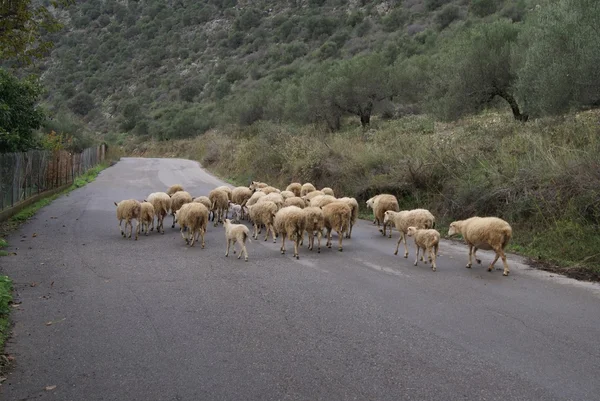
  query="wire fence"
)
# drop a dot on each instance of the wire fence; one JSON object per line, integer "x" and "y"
{"x": 23, "y": 175}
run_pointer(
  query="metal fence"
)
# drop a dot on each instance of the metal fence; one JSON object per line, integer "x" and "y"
{"x": 23, "y": 175}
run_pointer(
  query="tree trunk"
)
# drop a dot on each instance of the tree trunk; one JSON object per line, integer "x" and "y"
{"x": 365, "y": 114}
{"x": 513, "y": 105}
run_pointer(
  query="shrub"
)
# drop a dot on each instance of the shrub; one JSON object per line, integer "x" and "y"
{"x": 447, "y": 15}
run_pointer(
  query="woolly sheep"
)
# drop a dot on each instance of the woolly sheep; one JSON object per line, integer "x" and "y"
{"x": 225, "y": 189}
{"x": 256, "y": 185}
{"x": 236, "y": 212}
{"x": 146, "y": 215}
{"x": 273, "y": 197}
{"x": 320, "y": 200}
{"x": 287, "y": 194}
{"x": 128, "y": 210}
{"x": 381, "y": 204}
{"x": 311, "y": 195}
{"x": 337, "y": 216}
{"x": 179, "y": 199}
{"x": 254, "y": 198}
{"x": 307, "y": 188}
{"x": 328, "y": 191}
{"x": 419, "y": 218}
{"x": 488, "y": 233}
{"x": 353, "y": 203}
{"x": 295, "y": 201}
{"x": 314, "y": 221}
{"x": 269, "y": 190}
{"x": 161, "y": 202}
{"x": 194, "y": 217}
{"x": 219, "y": 204}
{"x": 241, "y": 195}
{"x": 263, "y": 213}
{"x": 236, "y": 233}
{"x": 290, "y": 222}
{"x": 173, "y": 189}
{"x": 205, "y": 201}
{"x": 295, "y": 187}
{"x": 428, "y": 240}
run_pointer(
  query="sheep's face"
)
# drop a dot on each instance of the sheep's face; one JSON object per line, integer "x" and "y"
{"x": 387, "y": 217}
{"x": 453, "y": 230}
{"x": 411, "y": 231}
{"x": 370, "y": 203}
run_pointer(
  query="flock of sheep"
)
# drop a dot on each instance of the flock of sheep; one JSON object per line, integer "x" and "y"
{"x": 302, "y": 208}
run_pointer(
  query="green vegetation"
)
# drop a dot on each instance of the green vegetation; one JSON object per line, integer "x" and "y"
{"x": 5, "y": 299}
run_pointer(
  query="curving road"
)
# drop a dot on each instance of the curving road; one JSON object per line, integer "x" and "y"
{"x": 103, "y": 318}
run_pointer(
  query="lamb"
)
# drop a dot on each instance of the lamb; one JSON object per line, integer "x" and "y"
{"x": 419, "y": 218}
{"x": 256, "y": 185}
{"x": 173, "y": 189}
{"x": 328, "y": 191}
{"x": 236, "y": 212}
{"x": 236, "y": 233}
{"x": 354, "y": 216}
{"x": 161, "y": 202}
{"x": 273, "y": 197}
{"x": 263, "y": 213}
{"x": 427, "y": 240}
{"x": 295, "y": 201}
{"x": 314, "y": 221}
{"x": 179, "y": 199}
{"x": 295, "y": 187}
{"x": 225, "y": 189}
{"x": 241, "y": 195}
{"x": 194, "y": 217}
{"x": 381, "y": 204}
{"x": 219, "y": 204}
{"x": 287, "y": 194}
{"x": 128, "y": 210}
{"x": 306, "y": 188}
{"x": 269, "y": 190}
{"x": 254, "y": 198}
{"x": 337, "y": 217}
{"x": 320, "y": 200}
{"x": 290, "y": 222}
{"x": 484, "y": 233}
{"x": 146, "y": 215}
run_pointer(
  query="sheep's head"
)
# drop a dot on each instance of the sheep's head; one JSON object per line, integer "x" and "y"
{"x": 454, "y": 229}
{"x": 370, "y": 202}
{"x": 410, "y": 231}
{"x": 387, "y": 216}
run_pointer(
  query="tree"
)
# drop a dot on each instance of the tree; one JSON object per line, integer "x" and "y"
{"x": 19, "y": 115}
{"x": 476, "y": 67}
{"x": 318, "y": 100}
{"x": 561, "y": 65}
{"x": 22, "y": 24}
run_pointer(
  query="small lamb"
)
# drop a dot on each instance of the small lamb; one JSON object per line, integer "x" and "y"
{"x": 236, "y": 233}
{"x": 428, "y": 240}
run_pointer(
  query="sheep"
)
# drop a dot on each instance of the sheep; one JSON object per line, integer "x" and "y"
{"x": 269, "y": 190}
{"x": 337, "y": 217}
{"x": 236, "y": 233}
{"x": 426, "y": 239}
{"x": 205, "y": 201}
{"x": 161, "y": 202}
{"x": 236, "y": 212}
{"x": 314, "y": 221}
{"x": 328, "y": 191}
{"x": 381, "y": 204}
{"x": 179, "y": 199}
{"x": 273, "y": 197}
{"x": 256, "y": 185}
{"x": 225, "y": 189}
{"x": 419, "y": 218}
{"x": 194, "y": 217}
{"x": 295, "y": 187}
{"x": 295, "y": 201}
{"x": 241, "y": 195}
{"x": 290, "y": 222}
{"x": 320, "y": 200}
{"x": 287, "y": 194}
{"x": 489, "y": 233}
{"x": 128, "y": 210}
{"x": 219, "y": 204}
{"x": 311, "y": 195}
{"x": 146, "y": 215}
{"x": 254, "y": 198}
{"x": 354, "y": 206}
{"x": 173, "y": 189}
{"x": 263, "y": 213}
{"x": 306, "y": 188}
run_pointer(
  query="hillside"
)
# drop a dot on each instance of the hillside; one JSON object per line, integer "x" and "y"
{"x": 173, "y": 69}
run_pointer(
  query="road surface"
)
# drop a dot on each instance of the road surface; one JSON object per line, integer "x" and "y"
{"x": 104, "y": 318}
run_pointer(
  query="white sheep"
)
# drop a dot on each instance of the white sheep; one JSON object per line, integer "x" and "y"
{"x": 173, "y": 189}
{"x": 146, "y": 215}
{"x": 295, "y": 201}
{"x": 128, "y": 210}
{"x": 240, "y": 196}
{"x": 287, "y": 194}
{"x": 328, "y": 191}
{"x": 256, "y": 185}
{"x": 162, "y": 204}
{"x": 314, "y": 223}
{"x": 488, "y": 233}
{"x": 263, "y": 213}
{"x": 295, "y": 187}
{"x": 419, "y": 218}
{"x": 236, "y": 212}
{"x": 353, "y": 203}
{"x": 428, "y": 240}
{"x": 320, "y": 200}
{"x": 269, "y": 190}
{"x": 337, "y": 217}
{"x": 307, "y": 188}
{"x": 194, "y": 217}
{"x": 381, "y": 204}
{"x": 311, "y": 195}
{"x": 236, "y": 233}
{"x": 179, "y": 199}
{"x": 219, "y": 204}
{"x": 254, "y": 198}
{"x": 289, "y": 222}
{"x": 227, "y": 190}
{"x": 273, "y": 197}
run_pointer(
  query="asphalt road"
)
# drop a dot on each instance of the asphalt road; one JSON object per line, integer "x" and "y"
{"x": 156, "y": 320}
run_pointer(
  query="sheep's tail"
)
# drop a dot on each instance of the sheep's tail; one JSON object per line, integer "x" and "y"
{"x": 507, "y": 236}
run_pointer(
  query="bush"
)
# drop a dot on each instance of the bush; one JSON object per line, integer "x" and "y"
{"x": 483, "y": 8}
{"x": 394, "y": 20}
{"x": 435, "y": 4}
{"x": 447, "y": 15}
{"x": 82, "y": 103}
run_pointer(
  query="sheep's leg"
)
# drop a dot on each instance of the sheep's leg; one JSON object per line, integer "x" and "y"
{"x": 417, "y": 249}
{"x": 228, "y": 244}
{"x": 244, "y": 250}
{"x": 184, "y": 236}
{"x": 283, "y": 242}
{"x": 255, "y": 233}
{"x": 152, "y": 228}
{"x": 475, "y": 249}
{"x": 319, "y": 235}
{"x": 273, "y": 233}
{"x": 121, "y": 228}
{"x": 389, "y": 225}
{"x": 398, "y": 244}
{"x": 470, "y": 264}
{"x": 296, "y": 244}
{"x": 340, "y": 234}
{"x": 328, "y": 243}
{"x": 137, "y": 228}
{"x": 432, "y": 254}
{"x": 403, "y": 237}
{"x": 311, "y": 239}
{"x": 503, "y": 256}
{"x": 192, "y": 236}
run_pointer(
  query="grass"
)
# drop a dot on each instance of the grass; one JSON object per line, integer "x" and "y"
{"x": 5, "y": 299}
{"x": 542, "y": 176}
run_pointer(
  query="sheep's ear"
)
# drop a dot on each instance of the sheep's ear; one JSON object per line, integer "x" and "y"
{"x": 145, "y": 200}
{"x": 116, "y": 204}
